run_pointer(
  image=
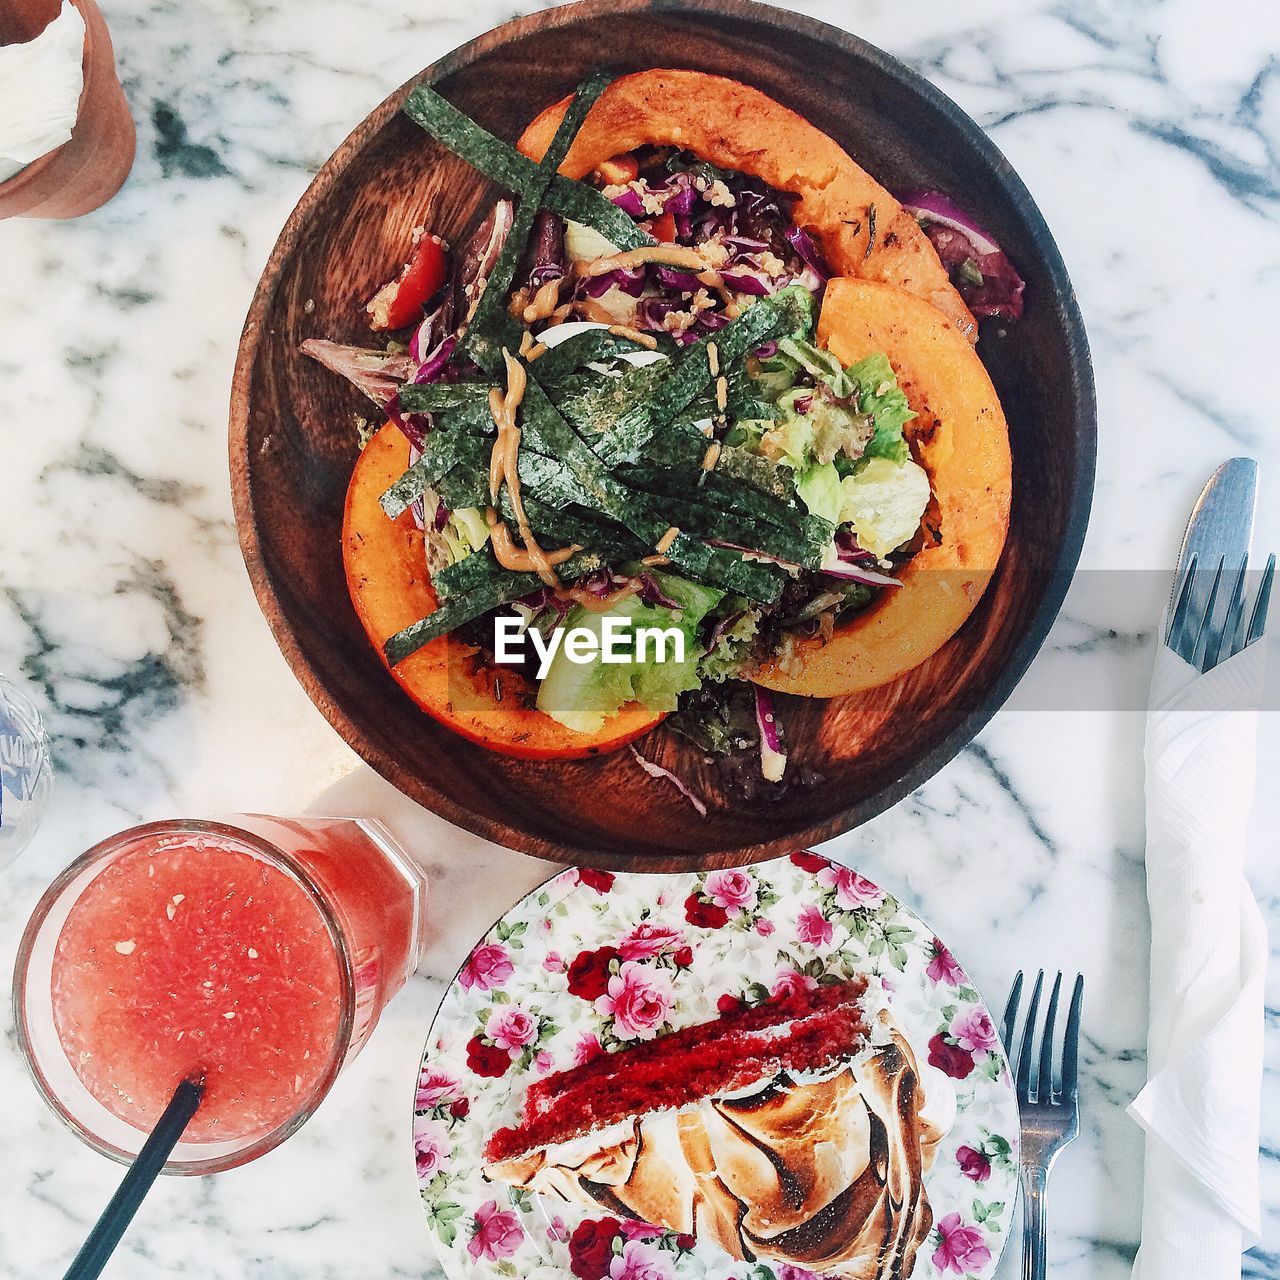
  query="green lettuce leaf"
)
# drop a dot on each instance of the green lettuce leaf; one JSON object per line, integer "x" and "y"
{"x": 821, "y": 365}
{"x": 583, "y": 696}
{"x": 732, "y": 647}
{"x": 882, "y": 398}
{"x": 819, "y": 488}
{"x": 855, "y": 413}
{"x": 464, "y": 533}
{"x": 884, "y": 501}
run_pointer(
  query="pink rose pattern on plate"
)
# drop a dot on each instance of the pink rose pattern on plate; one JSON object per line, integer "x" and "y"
{"x": 638, "y": 1002}
{"x": 488, "y": 966}
{"x": 592, "y": 962}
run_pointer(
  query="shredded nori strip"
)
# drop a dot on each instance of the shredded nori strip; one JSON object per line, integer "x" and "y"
{"x": 583, "y": 348}
{"x": 464, "y": 487}
{"x": 578, "y": 202}
{"x": 709, "y": 520}
{"x": 504, "y": 165}
{"x": 444, "y": 397}
{"x": 720, "y": 567}
{"x": 603, "y": 492}
{"x": 594, "y": 403}
{"x": 479, "y": 569}
{"x": 760, "y": 473}
{"x": 491, "y": 327}
{"x": 548, "y": 479}
{"x": 442, "y": 451}
{"x": 466, "y": 484}
{"x": 682, "y": 445}
{"x": 743, "y": 400}
{"x": 776, "y": 524}
{"x": 565, "y": 527}
{"x": 765, "y": 318}
{"x": 461, "y": 609}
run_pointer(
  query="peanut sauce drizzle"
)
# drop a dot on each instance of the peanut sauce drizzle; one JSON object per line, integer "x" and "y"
{"x": 544, "y": 302}
{"x": 722, "y": 393}
{"x": 504, "y": 464}
{"x": 529, "y": 557}
{"x": 668, "y": 255}
{"x": 590, "y": 309}
{"x": 626, "y": 331}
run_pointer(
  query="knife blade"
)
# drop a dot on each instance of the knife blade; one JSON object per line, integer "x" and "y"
{"x": 1220, "y": 530}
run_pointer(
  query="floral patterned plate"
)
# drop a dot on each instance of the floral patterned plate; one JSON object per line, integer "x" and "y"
{"x": 591, "y": 962}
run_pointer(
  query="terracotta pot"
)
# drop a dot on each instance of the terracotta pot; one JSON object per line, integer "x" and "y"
{"x": 87, "y": 171}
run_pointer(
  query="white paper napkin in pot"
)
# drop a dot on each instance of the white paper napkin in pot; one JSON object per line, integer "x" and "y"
{"x": 1208, "y": 962}
{"x": 40, "y": 86}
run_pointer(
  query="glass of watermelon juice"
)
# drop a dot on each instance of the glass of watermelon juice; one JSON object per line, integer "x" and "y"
{"x": 258, "y": 953}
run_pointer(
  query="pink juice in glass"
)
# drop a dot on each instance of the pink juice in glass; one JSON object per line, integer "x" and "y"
{"x": 193, "y": 961}
{"x": 257, "y": 956}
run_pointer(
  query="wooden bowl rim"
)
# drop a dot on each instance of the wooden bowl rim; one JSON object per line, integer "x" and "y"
{"x": 1081, "y": 481}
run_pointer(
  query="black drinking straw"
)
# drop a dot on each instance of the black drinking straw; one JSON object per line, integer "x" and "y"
{"x": 137, "y": 1182}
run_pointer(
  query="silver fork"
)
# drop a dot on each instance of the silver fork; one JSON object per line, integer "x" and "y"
{"x": 1206, "y": 635}
{"x": 1049, "y": 1106}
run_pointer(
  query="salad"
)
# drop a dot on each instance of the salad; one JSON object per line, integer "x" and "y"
{"x": 679, "y": 385}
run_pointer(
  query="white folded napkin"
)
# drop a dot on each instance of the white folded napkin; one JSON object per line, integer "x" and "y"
{"x": 1208, "y": 961}
{"x": 40, "y": 86}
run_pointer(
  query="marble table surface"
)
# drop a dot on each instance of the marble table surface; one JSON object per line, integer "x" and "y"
{"x": 1150, "y": 135}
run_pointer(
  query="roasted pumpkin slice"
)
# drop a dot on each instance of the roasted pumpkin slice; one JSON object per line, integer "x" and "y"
{"x": 862, "y": 229}
{"x": 960, "y": 438}
{"x": 385, "y": 565}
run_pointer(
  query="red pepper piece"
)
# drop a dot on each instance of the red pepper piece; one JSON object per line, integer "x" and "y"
{"x": 664, "y": 228}
{"x": 399, "y": 304}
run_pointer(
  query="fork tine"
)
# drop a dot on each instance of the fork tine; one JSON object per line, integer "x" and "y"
{"x": 1206, "y": 623}
{"x": 1071, "y": 1049}
{"x": 1227, "y": 634}
{"x": 1258, "y": 618}
{"x": 1010, "y": 1018}
{"x": 1044, "y": 1085}
{"x": 1028, "y": 1039}
{"x": 1181, "y": 604}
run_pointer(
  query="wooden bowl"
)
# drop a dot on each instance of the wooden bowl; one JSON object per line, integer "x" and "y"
{"x": 293, "y": 443}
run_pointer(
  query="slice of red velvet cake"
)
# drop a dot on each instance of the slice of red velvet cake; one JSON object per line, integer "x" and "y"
{"x": 801, "y": 1032}
{"x": 788, "y": 1130}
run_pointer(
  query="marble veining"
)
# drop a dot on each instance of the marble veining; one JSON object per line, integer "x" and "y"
{"x": 1150, "y": 136}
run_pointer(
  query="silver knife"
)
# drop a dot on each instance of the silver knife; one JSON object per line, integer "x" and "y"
{"x": 1220, "y": 531}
